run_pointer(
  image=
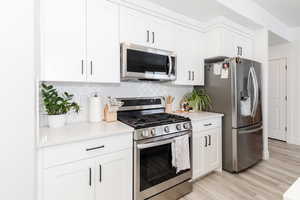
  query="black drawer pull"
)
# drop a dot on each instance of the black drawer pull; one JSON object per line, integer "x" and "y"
{"x": 95, "y": 148}
{"x": 209, "y": 124}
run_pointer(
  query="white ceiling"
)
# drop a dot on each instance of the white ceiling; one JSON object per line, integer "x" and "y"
{"x": 287, "y": 11}
{"x": 203, "y": 10}
{"x": 275, "y": 39}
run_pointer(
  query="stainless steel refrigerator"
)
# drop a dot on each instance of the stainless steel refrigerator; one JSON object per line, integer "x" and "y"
{"x": 234, "y": 85}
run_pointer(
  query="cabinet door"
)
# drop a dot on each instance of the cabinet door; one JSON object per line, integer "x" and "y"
{"x": 162, "y": 34}
{"x": 114, "y": 176}
{"x": 135, "y": 27}
{"x": 190, "y": 68}
{"x": 182, "y": 49}
{"x": 62, "y": 40}
{"x": 103, "y": 46}
{"x": 197, "y": 60}
{"x": 197, "y": 155}
{"x": 71, "y": 181}
{"x": 243, "y": 46}
{"x": 212, "y": 150}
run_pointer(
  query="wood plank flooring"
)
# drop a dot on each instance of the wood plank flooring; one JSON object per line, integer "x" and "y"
{"x": 266, "y": 181}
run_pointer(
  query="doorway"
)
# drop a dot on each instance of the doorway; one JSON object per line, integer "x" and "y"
{"x": 278, "y": 99}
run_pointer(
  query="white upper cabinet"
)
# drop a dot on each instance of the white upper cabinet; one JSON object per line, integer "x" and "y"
{"x": 103, "y": 45}
{"x": 190, "y": 63}
{"x": 62, "y": 37}
{"x": 146, "y": 30}
{"x": 80, "y": 41}
{"x": 224, "y": 42}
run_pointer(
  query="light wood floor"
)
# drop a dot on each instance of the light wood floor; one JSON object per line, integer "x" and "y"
{"x": 266, "y": 181}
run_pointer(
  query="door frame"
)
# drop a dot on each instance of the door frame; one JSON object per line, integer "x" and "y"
{"x": 286, "y": 94}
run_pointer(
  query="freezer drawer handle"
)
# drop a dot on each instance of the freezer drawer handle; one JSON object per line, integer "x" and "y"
{"x": 251, "y": 131}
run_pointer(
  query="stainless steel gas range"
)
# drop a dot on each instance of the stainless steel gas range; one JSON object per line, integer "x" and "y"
{"x": 155, "y": 178}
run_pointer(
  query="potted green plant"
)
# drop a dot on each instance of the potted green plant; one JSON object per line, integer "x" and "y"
{"x": 57, "y": 106}
{"x": 198, "y": 100}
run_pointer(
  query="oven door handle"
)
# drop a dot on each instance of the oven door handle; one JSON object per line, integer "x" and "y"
{"x": 155, "y": 144}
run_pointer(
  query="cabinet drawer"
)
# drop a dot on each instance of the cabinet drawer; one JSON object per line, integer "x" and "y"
{"x": 66, "y": 153}
{"x": 206, "y": 124}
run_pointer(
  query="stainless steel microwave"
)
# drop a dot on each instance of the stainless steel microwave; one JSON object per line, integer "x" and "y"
{"x": 145, "y": 63}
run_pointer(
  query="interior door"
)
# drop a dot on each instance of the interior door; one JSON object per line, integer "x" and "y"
{"x": 103, "y": 45}
{"x": 277, "y": 99}
{"x": 247, "y": 93}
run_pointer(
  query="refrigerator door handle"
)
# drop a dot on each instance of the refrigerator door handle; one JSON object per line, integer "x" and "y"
{"x": 256, "y": 92}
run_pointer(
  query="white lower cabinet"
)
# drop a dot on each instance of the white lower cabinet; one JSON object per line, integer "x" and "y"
{"x": 207, "y": 147}
{"x": 114, "y": 177}
{"x": 108, "y": 177}
{"x": 70, "y": 181}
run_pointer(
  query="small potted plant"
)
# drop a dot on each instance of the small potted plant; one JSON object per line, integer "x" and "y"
{"x": 57, "y": 106}
{"x": 198, "y": 100}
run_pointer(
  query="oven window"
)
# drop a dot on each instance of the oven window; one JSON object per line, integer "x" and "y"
{"x": 141, "y": 62}
{"x": 156, "y": 166}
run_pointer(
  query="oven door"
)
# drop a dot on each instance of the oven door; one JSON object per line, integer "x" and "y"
{"x": 153, "y": 170}
{"x": 139, "y": 62}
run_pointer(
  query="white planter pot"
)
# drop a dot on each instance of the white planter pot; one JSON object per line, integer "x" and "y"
{"x": 56, "y": 121}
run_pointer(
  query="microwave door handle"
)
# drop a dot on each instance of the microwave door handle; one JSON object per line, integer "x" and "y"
{"x": 170, "y": 65}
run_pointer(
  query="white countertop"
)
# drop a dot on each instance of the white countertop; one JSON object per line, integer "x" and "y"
{"x": 196, "y": 116}
{"x": 85, "y": 131}
{"x": 79, "y": 132}
{"x": 293, "y": 192}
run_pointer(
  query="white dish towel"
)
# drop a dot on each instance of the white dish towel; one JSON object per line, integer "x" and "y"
{"x": 181, "y": 153}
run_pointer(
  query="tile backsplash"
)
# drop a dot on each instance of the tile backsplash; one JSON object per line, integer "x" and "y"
{"x": 82, "y": 91}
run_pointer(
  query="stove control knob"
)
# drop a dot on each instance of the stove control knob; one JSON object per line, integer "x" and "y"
{"x": 167, "y": 129}
{"x": 186, "y": 125}
{"x": 153, "y": 132}
{"x": 145, "y": 133}
{"x": 178, "y": 127}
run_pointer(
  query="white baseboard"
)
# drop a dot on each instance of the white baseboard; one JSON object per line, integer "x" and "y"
{"x": 293, "y": 140}
{"x": 266, "y": 155}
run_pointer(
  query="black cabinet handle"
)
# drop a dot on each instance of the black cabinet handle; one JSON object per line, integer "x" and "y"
{"x": 205, "y": 141}
{"x": 90, "y": 176}
{"x": 153, "y": 37}
{"x": 95, "y": 148}
{"x": 100, "y": 173}
{"x": 91, "y": 68}
{"x": 209, "y": 140}
{"x": 82, "y": 67}
{"x": 148, "y": 36}
{"x": 209, "y": 124}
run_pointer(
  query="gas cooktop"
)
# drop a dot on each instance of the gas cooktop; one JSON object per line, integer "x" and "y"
{"x": 147, "y": 116}
{"x": 151, "y": 120}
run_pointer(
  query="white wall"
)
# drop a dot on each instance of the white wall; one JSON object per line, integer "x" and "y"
{"x": 17, "y": 118}
{"x": 291, "y": 51}
{"x": 82, "y": 91}
{"x": 261, "y": 40}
